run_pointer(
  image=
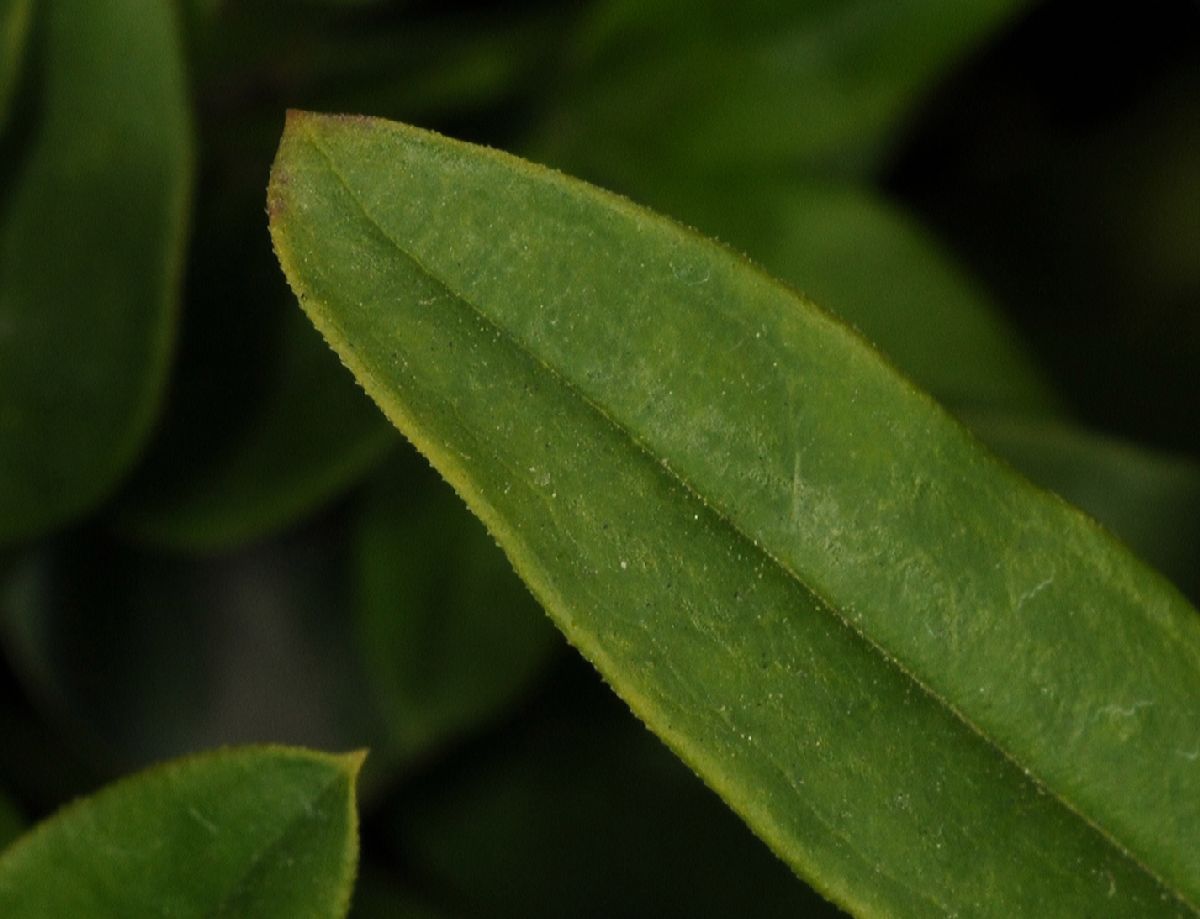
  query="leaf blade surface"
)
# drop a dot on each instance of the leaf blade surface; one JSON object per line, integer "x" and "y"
{"x": 878, "y": 270}
{"x": 727, "y": 501}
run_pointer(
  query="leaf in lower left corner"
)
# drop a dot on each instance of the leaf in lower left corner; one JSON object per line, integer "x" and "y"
{"x": 258, "y": 831}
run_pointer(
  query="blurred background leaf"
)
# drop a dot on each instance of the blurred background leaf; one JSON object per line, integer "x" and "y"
{"x": 715, "y": 89}
{"x": 15, "y": 19}
{"x": 41, "y": 768}
{"x": 143, "y": 655}
{"x": 265, "y": 425}
{"x": 253, "y": 455}
{"x": 1072, "y": 188}
{"x": 91, "y": 236}
{"x": 377, "y": 897}
{"x": 400, "y": 628}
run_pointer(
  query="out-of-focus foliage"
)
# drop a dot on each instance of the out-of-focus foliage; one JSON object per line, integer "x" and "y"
{"x": 718, "y": 89}
{"x": 91, "y": 240}
{"x": 300, "y": 438}
{"x": 209, "y": 534}
{"x": 15, "y": 18}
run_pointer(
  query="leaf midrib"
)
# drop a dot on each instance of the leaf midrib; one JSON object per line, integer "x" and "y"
{"x": 763, "y": 822}
{"x": 727, "y": 520}
{"x": 289, "y": 827}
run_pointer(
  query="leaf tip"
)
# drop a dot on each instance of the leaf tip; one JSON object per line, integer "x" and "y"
{"x": 295, "y": 121}
{"x": 352, "y": 762}
{"x": 296, "y": 117}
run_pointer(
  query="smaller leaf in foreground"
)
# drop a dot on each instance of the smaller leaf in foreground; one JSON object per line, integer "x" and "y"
{"x": 258, "y": 831}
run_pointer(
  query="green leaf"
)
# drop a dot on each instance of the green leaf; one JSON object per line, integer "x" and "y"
{"x": 450, "y": 636}
{"x": 713, "y": 88}
{"x": 879, "y": 270}
{"x": 267, "y": 831}
{"x": 876, "y": 268}
{"x": 15, "y": 19}
{"x": 929, "y": 686}
{"x": 90, "y": 254}
{"x": 1148, "y": 498}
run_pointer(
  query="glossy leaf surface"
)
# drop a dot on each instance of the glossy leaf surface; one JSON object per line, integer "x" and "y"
{"x": 262, "y": 832}
{"x": 90, "y": 251}
{"x": 854, "y": 623}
